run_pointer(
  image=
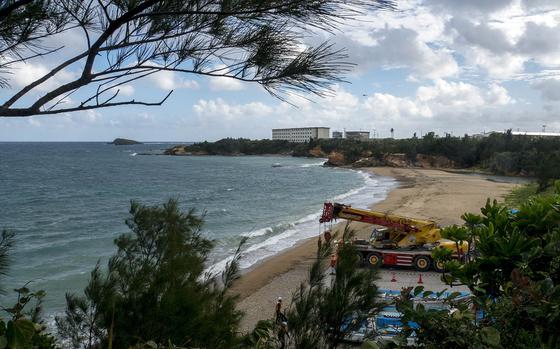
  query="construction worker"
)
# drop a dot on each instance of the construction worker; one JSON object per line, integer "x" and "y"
{"x": 333, "y": 264}
{"x": 282, "y": 333}
{"x": 279, "y": 314}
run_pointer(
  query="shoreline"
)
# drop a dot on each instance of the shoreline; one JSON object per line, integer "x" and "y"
{"x": 420, "y": 193}
{"x": 303, "y": 251}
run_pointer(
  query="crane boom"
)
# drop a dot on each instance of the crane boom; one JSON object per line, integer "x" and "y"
{"x": 405, "y": 232}
{"x": 410, "y": 225}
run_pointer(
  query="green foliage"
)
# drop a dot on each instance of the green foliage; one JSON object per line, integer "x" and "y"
{"x": 23, "y": 327}
{"x": 521, "y": 194}
{"x": 263, "y": 336}
{"x": 231, "y": 146}
{"x": 548, "y": 168}
{"x": 514, "y": 279}
{"x": 155, "y": 289}
{"x": 456, "y": 234}
{"x": 319, "y": 309}
{"x": 83, "y": 323}
{"x": 6, "y": 244}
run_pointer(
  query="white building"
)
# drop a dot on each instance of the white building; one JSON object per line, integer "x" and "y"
{"x": 535, "y": 134}
{"x": 300, "y": 134}
{"x": 520, "y": 133}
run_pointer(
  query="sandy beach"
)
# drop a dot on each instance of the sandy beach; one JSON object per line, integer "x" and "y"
{"x": 437, "y": 195}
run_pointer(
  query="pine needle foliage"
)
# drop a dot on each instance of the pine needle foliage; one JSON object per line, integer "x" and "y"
{"x": 249, "y": 40}
{"x": 6, "y": 244}
{"x": 155, "y": 289}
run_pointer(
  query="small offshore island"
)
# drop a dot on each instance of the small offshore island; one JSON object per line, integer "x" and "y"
{"x": 124, "y": 141}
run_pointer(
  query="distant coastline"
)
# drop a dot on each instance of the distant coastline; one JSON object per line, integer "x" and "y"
{"x": 497, "y": 154}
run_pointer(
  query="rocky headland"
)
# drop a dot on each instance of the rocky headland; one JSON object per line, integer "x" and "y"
{"x": 334, "y": 159}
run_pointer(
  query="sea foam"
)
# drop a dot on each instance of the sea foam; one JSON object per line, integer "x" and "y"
{"x": 373, "y": 190}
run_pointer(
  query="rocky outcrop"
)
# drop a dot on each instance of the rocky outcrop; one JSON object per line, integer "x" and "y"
{"x": 317, "y": 152}
{"x": 176, "y": 150}
{"x": 402, "y": 160}
{"x": 182, "y": 150}
{"x": 124, "y": 141}
{"x": 397, "y": 160}
{"x": 434, "y": 161}
{"x": 368, "y": 162}
{"x": 336, "y": 159}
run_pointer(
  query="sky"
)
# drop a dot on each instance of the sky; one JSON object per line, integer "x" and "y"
{"x": 448, "y": 66}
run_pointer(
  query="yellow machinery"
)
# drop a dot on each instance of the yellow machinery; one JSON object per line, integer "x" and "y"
{"x": 406, "y": 242}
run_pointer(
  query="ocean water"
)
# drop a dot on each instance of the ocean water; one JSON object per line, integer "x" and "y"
{"x": 67, "y": 202}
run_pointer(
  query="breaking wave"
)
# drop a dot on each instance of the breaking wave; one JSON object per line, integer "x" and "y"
{"x": 268, "y": 241}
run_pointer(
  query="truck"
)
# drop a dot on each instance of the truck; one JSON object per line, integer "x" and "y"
{"x": 403, "y": 241}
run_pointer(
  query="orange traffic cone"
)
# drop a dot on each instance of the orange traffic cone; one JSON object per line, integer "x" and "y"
{"x": 394, "y": 279}
{"x": 420, "y": 279}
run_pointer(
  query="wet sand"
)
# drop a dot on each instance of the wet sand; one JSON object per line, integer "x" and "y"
{"x": 431, "y": 194}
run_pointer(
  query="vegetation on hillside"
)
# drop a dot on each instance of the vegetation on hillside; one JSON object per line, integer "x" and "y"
{"x": 231, "y": 146}
{"x": 503, "y": 154}
{"x": 523, "y": 193}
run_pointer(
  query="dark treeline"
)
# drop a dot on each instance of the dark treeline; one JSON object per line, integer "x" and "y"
{"x": 232, "y": 146}
{"x": 504, "y": 154}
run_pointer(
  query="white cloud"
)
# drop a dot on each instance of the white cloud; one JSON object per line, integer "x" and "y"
{"x": 394, "y": 108}
{"x": 540, "y": 4}
{"x": 471, "y": 7}
{"x": 402, "y": 48}
{"x": 502, "y": 66}
{"x": 498, "y": 96}
{"x": 549, "y": 88}
{"x": 444, "y": 101}
{"x": 440, "y": 98}
{"x": 124, "y": 90}
{"x": 466, "y": 32}
{"x": 223, "y": 83}
{"x": 220, "y": 83}
{"x": 540, "y": 42}
{"x": 450, "y": 95}
{"x": 24, "y": 73}
{"x": 169, "y": 80}
{"x": 218, "y": 109}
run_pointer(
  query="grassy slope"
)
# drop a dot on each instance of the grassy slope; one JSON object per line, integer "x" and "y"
{"x": 525, "y": 192}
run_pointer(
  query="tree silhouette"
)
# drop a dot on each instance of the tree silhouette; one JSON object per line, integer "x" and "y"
{"x": 127, "y": 40}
